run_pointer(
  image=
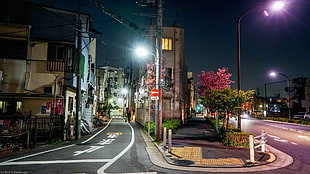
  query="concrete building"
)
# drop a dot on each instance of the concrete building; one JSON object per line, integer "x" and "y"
{"x": 111, "y": 92}
{"x": 38, "y": 62}
{"x": 175, "y": 100}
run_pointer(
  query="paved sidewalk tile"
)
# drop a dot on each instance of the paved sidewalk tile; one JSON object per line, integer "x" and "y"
{"x": 194, "y": 154}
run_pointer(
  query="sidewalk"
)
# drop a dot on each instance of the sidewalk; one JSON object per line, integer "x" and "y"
{"x": 194, "y": 148}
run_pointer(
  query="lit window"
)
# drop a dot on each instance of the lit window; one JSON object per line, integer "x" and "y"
{"x": 166, "y": 44}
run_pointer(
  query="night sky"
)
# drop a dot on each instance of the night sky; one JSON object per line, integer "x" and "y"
{"x": 279, "y": 42}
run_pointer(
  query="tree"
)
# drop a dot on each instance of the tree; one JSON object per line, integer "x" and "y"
{"x": 211, "y": 80}
{"x": 151, "y": 73}
{"x": 227, "y": 100}
{"x": 215, "y": 92}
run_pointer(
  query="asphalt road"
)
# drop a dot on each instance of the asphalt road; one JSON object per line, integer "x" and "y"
{"x": 106, "y": 149}
{"x": 292, "y": 139}
{"x": 120, "y": 148}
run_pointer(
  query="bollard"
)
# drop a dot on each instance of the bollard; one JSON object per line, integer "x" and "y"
{"x": 28, "y": 138}
{"x": 165, "y": 137}
{"x": 251, "y": 148}
{"x": 169, "y": 140}
{"x": 263, "y": 141}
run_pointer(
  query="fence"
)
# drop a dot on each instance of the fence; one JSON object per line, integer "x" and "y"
{"x": 32, "y": 131}
{"x": 44, "y": 129}
{"x": 260, "y": 141}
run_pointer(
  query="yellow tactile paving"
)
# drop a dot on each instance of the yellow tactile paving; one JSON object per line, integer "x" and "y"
{"x": 194, "y": 154}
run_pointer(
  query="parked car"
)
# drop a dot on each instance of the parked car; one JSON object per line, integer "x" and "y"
{"x": 299, "y": 115}
{"x": 307, "y": 116}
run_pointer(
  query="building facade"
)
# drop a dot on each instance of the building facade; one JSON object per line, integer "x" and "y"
{"x": 112, "y": 94}
{"x": 175, "y": 100}
{"x": 38, "y": 62}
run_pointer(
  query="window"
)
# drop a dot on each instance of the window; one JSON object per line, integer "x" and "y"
{"x": 166, "y": 44}
{"x": 10, "y": 107}
{"x": 60, "y": 57}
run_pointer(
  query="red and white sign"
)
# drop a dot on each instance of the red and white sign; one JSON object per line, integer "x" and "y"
{"x": 154, "y": 92}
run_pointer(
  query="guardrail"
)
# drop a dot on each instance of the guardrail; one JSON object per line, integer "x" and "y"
{"x": 259, "y": 141}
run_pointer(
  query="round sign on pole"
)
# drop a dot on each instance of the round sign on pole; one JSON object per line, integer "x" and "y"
{"x": 154, "y": 93}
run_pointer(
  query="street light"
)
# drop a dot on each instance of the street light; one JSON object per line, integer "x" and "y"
{"x": 142, "y": 52}
{"x": 273, "y": 74}
{"x": 276, "y": 6}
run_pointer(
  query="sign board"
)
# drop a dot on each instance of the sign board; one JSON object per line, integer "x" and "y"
{"x": 154, "y": 92}
{"x": 154, "y": 98}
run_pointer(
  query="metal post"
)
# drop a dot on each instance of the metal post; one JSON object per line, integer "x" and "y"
{"x": 165, "y": 137}
{"x": 263, "y": 142}
{"x": 149, "y": 119}
{"x": 239, "y": 54}
{"x": 169, "y": 140}
{"x": 251, "y": 140}
{"x": 28, "y": 138}
{"x": 289, "y": 98}
{"x": 266, "y": 104}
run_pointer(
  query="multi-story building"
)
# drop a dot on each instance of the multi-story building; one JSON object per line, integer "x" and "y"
{"x": 175, "y": 100}
{"x": 191, "y": 107}
{"x": 39, "y": 55}
{"x": 112, "y": 94}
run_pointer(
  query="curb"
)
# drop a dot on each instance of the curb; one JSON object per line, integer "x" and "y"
{"x": 277, "y": 159}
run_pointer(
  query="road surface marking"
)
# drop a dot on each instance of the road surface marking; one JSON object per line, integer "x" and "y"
{"x": 304, "y": 137}
{"x": 113, "y": 134}
{"x": 102, "y": 169}
{"x": 104, "y": 141}
{"x": 56, "y": 162}
{"x": 90, "y": 138}
{"x": 89, "y": 150}
{"x": 36, "y": 154}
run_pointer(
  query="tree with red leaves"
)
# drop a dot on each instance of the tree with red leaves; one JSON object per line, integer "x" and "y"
{"x": 213, "y": 80}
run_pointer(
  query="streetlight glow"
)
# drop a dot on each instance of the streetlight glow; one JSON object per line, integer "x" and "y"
{"x": 141, "y": 52}
{"x": 288, "y": 90}
{"x": 277, "y": 5}
{"x": 273, "y": 74}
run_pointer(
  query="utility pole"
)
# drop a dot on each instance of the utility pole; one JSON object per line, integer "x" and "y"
{"x": 158, "y": 104}
{"x": 78, "y": 77}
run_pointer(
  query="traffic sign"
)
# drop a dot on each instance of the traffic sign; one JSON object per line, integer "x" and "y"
{"x": 154, "y": 98}
{"x": 154, "y": 93}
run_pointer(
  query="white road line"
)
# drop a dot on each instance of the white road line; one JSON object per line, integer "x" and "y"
{"x": 52, "y": 150}
{"x": 35, "y": 154}
{"x": 137, "y": 173}
{"x": 56, "y": 162}
{"x": 102, "y": 169}
{"x": 304, "y": 137}
{"x": 97, "y": 133}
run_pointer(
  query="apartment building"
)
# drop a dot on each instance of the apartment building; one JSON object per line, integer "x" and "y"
{"x": 39, "y": 57}
{"x": 175, "y": 100}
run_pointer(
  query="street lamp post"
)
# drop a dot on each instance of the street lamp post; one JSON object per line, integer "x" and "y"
{"x": 142, "y": 52}
{"x": 288, "y": 91}
{"x": 277, "y": 5}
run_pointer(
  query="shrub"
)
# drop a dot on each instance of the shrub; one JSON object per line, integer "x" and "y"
{"x": 172, "y": 124}
{"x": 152, "y": 127}
{"x": 233, "y": 138}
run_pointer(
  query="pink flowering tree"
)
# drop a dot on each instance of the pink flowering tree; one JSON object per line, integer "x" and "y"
{"x": 151, "y": 73}
{"x": 213, "y": 80}
{"x": 215, "y": 93}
